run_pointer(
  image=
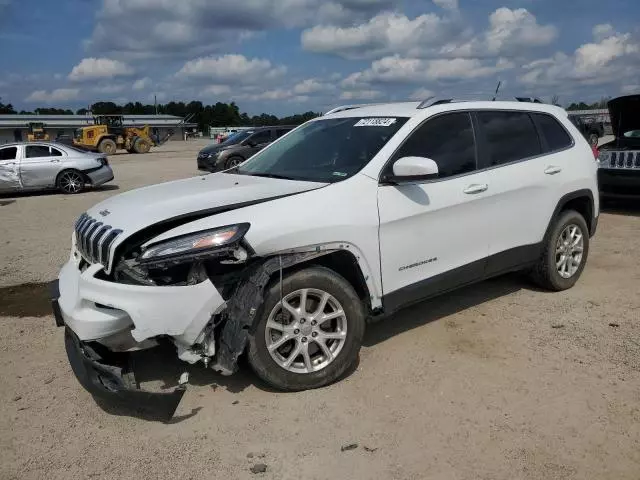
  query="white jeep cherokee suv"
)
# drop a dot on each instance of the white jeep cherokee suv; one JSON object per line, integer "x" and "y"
{"x": 350, "y": 216}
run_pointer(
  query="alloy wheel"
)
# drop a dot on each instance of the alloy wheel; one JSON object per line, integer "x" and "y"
{"x": 306, "y": 331}
{"x": 569, "y": 249}
{"x": 71, "y": 182}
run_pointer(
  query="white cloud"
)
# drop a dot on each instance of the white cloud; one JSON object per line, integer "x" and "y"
{"x": 311, "y": 85}
{"x": 613, "y": 59}
{"x": 396, "y": 69}
{"x": 230, "y": 69}
{"x": 57, "y": 95}
{"x": 509, "y": 33}
{"x": 361, "y": 95}
{"x": 602, "y": 31}
{"x": 630, "y": 89}
{"x": 95, "y": 68}
{"x": 188, "y": 27}
{"x": 382, "y": 35}
{"x": 142, "y": 83}
{"x": 511, "y": 30}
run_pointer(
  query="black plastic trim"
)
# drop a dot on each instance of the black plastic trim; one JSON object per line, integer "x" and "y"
{"x": 511, "y": 260}
{"x": 104, "y": 380}
{"x": 566, "y": 199}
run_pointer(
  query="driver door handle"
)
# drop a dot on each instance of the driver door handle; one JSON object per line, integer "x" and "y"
{"x": 476, "y": 188}
{"x": 552, "y": 170}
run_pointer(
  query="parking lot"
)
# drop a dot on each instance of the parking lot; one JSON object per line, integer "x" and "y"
{"x": 496, "y": 381}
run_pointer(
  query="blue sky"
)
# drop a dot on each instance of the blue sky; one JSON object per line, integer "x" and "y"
{"x": 285, "y": 56}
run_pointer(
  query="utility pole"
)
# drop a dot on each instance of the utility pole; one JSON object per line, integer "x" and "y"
{"x": 155, "y": 103}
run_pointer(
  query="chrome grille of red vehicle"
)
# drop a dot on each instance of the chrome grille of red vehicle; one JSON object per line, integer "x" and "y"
{"x": 94, "y": 239}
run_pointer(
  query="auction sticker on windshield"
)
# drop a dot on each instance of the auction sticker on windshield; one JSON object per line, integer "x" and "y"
{"x": 376, "y": 122}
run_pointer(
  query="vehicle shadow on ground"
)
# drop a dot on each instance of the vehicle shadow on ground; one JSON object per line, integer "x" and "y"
{"x": 161, "y": 364}
{"x": 448, "y": 304}
{"x": 626, "y": 207}
{"x": 159, "y": 368}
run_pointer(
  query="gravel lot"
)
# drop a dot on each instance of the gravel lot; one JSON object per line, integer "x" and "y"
{"x": 496, "y": 381}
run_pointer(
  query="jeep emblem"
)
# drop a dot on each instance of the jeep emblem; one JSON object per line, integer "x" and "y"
{"x": 104, "y": 213}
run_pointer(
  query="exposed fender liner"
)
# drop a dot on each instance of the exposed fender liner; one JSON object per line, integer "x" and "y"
{"x": 593, "y": 221}
{"x": 243, "y": 307}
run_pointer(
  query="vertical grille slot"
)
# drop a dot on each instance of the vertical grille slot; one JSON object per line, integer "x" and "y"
{"x": 94, "y": 239}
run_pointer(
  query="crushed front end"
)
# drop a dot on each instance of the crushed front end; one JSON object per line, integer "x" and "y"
{"x": 150, "y": 295}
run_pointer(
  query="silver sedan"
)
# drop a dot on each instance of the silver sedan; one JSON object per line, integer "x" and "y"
{"x": 43, "y": 165}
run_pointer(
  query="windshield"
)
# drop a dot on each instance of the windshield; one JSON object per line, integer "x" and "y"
{"x": 237, "y": 137}
{"x": 632, "y": 134}
{"x": 324, "y": 150}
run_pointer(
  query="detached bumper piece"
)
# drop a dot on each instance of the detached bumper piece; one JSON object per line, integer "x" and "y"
{"x": 111, "y": 379}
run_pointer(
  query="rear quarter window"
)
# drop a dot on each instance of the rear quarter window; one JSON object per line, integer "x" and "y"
{"x": 555, "y": 135}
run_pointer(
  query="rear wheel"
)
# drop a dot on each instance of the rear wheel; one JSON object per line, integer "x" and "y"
{"x": 565, "y": 253}
{"x": 310, "y": 336}
{"x": 593, "y": 138}
{"x": 70, "y": 182}
{"x": 141, "y": 146}
{"x": 107, "y": 146}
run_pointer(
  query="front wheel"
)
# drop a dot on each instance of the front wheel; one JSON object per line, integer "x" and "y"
{"x": 233, "y": 162}
{"x": 564, "y": 254}
{"x": 308, "y": 337}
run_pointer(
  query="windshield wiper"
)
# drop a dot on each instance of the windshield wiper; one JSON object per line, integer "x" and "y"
{"x": 269, "y": 175}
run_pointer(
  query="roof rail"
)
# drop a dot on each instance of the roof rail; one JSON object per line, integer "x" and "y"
{"x": 342, "y": 108}
{"x": 431, "y": 101}
{"x": 529, "y": 99}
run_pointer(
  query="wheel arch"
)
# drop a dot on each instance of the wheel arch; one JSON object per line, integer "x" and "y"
{"x": 581, "y": 201}
{"x": 346, "y": 264}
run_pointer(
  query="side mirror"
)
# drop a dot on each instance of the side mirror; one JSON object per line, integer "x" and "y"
{"x": 412, "y": 169}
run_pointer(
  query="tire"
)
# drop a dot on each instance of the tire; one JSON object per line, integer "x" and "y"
{"x": 107, "y": 146}
{"x": 70, "y": 182}
{"x": 347, "y": 331}
{"x": 547, "y": 273}
{"x": 593, "y": 138}
{"x": 141, "y": 146}
{"x": 233, "y": 162}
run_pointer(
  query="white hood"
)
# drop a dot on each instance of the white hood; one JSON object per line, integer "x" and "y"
{"x": 134, "y": 210}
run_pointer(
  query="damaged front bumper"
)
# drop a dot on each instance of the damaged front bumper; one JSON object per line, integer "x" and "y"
{"x": 112, "y": 380}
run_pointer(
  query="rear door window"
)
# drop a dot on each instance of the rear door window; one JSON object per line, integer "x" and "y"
{"x": 510, "y": 136}
{"x": 260, "y": 138}
{"x": 35, "y": 151}
{"x": 553, "y": 132}
{"x": 446, "y": 139}
{"x": 8, "y": 153}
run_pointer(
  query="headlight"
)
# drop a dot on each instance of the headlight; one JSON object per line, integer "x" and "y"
{"x": 195, "y": 244}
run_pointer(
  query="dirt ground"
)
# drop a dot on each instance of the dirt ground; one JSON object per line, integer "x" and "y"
{"x": 496, "y": 381}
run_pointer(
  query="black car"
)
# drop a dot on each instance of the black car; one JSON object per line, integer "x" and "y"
{"x": 239, "y": 147}
{"x": 592, "y": 131}
{"x": 619, "y": 160}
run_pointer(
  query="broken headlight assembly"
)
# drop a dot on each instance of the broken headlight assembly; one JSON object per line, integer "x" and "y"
{"x": 195, "y": 246}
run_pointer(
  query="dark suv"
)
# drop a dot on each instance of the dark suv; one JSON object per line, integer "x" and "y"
{"x": 239, "y": 147}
